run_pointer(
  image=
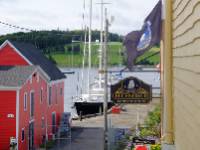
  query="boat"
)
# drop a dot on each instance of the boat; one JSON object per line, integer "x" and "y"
{"x": 91, "y": 101}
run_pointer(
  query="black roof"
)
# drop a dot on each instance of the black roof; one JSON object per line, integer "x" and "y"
{"x": 36, "y": 57}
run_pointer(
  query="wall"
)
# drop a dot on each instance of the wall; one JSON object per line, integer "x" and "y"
{"x": 7, "y": 125}
{"x": 9, "y": 57}
{"x": 57, "y": 105}
{"x": 42, "y": 109}
{"x": 33, "y": 85}
{"x": 186, "y": 73}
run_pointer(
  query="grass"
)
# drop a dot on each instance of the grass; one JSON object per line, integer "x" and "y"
{"x": 148, "y": 58}
{"x": 68, "y": 60}
{"x": 115, "y": 49}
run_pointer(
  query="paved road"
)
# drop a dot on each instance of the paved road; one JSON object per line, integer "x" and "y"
{"x": 83, "y": 139}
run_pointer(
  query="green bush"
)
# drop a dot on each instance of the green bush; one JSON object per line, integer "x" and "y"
{"x": 156, "y": 147}
{"x": 152, "y": 124}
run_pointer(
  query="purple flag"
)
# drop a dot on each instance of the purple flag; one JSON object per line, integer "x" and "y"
{"x": 138, "y": 42}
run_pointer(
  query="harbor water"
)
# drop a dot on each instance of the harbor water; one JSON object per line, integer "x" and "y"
{"x": 77, "y": 80}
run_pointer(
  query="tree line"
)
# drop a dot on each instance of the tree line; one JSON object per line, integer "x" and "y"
{"x": 55, "y": 40}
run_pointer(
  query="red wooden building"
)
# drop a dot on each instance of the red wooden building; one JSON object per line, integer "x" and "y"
{"x": 31, "y": 96}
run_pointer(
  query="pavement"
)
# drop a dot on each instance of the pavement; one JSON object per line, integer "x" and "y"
{"x": 82, "y": 139}
{"x": 88, "y": 133}
{"x": 126, "y": 119}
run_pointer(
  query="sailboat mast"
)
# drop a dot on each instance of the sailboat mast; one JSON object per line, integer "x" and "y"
{"x": 101, "y": 45}
{"x": 84, "y": 48}
{"x": 89, "y": 47}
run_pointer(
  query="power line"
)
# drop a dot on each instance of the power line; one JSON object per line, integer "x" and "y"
{"x": 16, "y": 27}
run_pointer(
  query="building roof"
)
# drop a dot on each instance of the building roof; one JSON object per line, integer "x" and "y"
{"x": 36, "y": 57}
{"x": 15, "y": 76}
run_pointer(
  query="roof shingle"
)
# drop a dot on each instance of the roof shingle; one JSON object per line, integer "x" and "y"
{"x": 36, "y": 57}
{"x": 15, "y": 76}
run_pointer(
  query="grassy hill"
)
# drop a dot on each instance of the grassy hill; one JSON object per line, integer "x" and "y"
{"x": 69, "y": 59}
{"x": 115, "y": 57}
{"x": 151, "y": 57}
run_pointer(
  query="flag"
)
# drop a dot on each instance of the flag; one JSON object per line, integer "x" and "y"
{"x": 138, "y": 42}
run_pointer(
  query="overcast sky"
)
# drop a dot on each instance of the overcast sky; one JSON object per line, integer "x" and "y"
{"x": 67, "y": 14}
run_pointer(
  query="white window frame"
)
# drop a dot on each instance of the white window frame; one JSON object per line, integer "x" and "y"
{"x": 42, "y": 125}
{"x": 41, "y": 95}
{"x": 30, "y": 103}
{"x": 55, "y": 120}
{"x": 56, "y": 94}
{"x": 61, "y": 91}
{"x": 50, "y": 95}
{"x": 25, "y": 101}
{"x": 23, "y": 129}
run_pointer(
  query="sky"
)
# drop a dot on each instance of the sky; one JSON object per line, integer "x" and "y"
{"x": 67, "y": 14}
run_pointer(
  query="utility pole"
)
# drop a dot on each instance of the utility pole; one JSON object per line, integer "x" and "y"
{"x": 106, "y": 82}
{"x": 89, "y": 48}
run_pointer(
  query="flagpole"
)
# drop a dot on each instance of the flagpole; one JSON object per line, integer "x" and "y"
{"x": 168, "y": 75}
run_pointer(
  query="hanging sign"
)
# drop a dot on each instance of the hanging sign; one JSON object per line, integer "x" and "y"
{"x": 131, "y": 90}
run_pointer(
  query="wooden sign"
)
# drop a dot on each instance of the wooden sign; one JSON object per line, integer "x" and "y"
{"x": 131, "y": 90}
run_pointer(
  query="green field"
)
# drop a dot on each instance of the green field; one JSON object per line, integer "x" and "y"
{"x": 151, "y": 57}
{"x": 115, "y": 57}
{"x": 70, "y": 59}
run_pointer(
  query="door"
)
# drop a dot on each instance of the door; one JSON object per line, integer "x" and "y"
{"x": 31, "y": 136}
{"x": 53, "y": 123}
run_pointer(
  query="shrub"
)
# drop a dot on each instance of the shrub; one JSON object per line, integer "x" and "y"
{"x": 152, "y": 124}
{"x": 156, "y": 147}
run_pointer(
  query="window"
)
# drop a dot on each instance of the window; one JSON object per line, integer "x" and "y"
{"x": 56, "y": 95}
{"x": 61, "y": 91}
{"x": 53, "y": 122}
{"x": 23, "y": 136}
{"x": 50, "y": 94}
{"x": 25, "y": 101}
{"x": 32, "y": 104}
{"x": 43, "y": 122}
{"x": 41, "y": 95}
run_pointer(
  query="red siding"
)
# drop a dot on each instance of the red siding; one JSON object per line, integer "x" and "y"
{"x": 57, "y": 105}
{"x": 39, "y": 111}
{"x": 7, "y": 125}
{"x": 10, "y": 57}
{"x": 42, "y": 109}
